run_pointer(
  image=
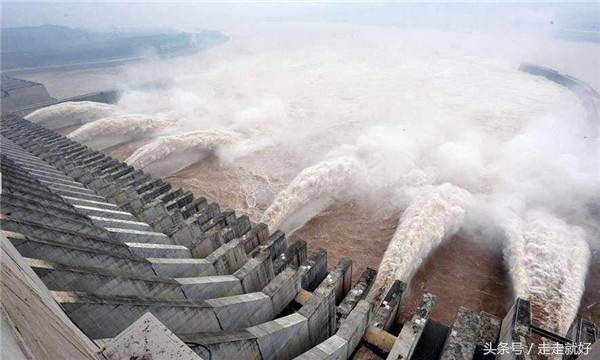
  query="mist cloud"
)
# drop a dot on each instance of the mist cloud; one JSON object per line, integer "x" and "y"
{"x": 440, "y": 124}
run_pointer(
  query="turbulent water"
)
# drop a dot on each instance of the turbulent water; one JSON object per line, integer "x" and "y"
{"x": 113, "y": 130}
{"x": 328, "y": 115}
{"x": 436, "y": 213}
{"x": 70, "y": 113}
{"x": 548, "y": 261}
{"x": 173, "y": 153}
{"x": 312, "y": 190}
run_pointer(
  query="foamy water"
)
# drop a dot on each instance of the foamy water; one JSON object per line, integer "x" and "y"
{"x": 118, "y": 129}
{"x": 548, "y": 261}
{"x": 312, "y": 190}
{"x": 70, "y": 113}
{"x": 332, "y": 113}
{"x": 436, "y": 213}
{"x": 182, "y": 149}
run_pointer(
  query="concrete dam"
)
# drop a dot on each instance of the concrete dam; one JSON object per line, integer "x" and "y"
{"x": 103, "y": 261}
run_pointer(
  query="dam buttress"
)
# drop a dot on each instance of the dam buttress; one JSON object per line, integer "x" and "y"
{"x": 103, "y": 261}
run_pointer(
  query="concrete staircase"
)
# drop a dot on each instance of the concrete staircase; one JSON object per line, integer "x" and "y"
{"x": 132, "y": 260}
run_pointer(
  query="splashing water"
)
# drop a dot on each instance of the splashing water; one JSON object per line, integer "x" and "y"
{"x": 169, "y": 154}
{"x": 70, "y": 113}
{"x": 548, "y": 261}
{"x": 311, "y": 191}
{"x": 118, "y": 129}
{"x": 435, "y": 213}
{"x": 458, "y": 115}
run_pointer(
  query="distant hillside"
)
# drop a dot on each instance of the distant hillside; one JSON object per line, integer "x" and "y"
{"x": 49, "y": 46}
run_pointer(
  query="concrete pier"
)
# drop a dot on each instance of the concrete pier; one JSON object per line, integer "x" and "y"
{"x": 464, "y": 333}
{"x": 132, "y": 259}
{"x": 411, "y": 332}
{"x": 516, "y": 329}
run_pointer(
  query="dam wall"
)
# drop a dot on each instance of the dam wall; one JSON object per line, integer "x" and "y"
{"x": 19, "y": 94}
{"x": 586, "y": 94}
{"x": 121, "y": 257}
{"x": 103, "y": 261}
{"x": 22, "y": 96}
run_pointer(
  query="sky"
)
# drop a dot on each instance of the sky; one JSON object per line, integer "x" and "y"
{"x": 470, "y": 16}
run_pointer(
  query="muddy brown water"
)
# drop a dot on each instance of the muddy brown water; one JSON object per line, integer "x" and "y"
{"x": 461, "y": 272}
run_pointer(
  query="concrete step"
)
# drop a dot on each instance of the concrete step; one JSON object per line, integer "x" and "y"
{"x": 255, "y": 274}
{"x": 281, "y": 338}
{"x": 104, "y": 213}
{"x": 8, "y": 186}
{"x": 139, "y": 236}
{"x": 22, "y": 156}
{"x": 115, "y": 259}
{"x": 46, "y": 172}
{"x": 61, "y": 277}
{"x": 229, "y": 257}
{"x": 182, "y": 267}
{"x": 29, "y": 162}
{"x": 32, "y": 191}
{"x": 79, "y": 188}
{"x": 78, "y": 256}
{"x": 78, "y": 194}
{"x": 44, "y": 202}
{"x": 107, "y": 222}
{"x": 62, "y": 236}
{"x": 106, "y": 316}
{"x": 284, "y": 337}
{"x": 10, "y": 166}
{"x": 147, "y": 250}
{"x": 85, "y": 157}
{"x": 47, "y": 219}
{"x": 94, "y": 203}
{"x": 10, "y": 145}
{"x": 55, "y": 179}
{"x": 210, "y": 287}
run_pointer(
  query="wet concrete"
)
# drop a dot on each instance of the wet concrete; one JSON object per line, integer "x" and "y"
{"x": 590, "y": 303}
{"x": 467, "y": 272}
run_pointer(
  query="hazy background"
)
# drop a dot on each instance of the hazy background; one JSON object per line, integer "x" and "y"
{"x": 189, "y": 15}
{"x": 417, "y": 112}
{"x": 524, "y": 29}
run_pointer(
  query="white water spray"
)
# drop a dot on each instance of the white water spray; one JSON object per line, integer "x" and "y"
{"x": 403, "y": 99}
{"x": 70, "y": 113}
{"x": 436, "y": 213}
{"x": 311, "y": 191}
{"x": 169, "y": 154}
{"x": 119, "y": 129}
{"x": 548, "y": 261}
